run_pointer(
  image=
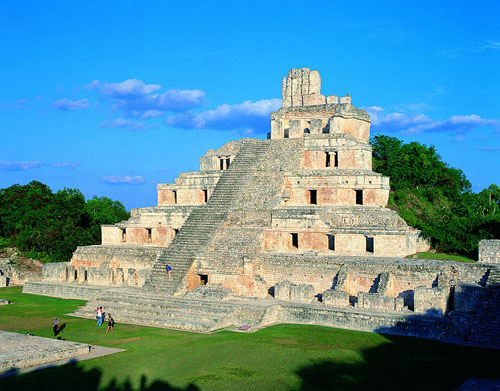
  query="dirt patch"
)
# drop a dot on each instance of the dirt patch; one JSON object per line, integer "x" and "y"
{"x": 285, "y": 342}
{"x": 124, "y": 340}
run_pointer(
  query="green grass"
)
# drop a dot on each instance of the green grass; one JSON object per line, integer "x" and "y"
{"x": 282, "y": 357}
{"x": 445, "y": 257}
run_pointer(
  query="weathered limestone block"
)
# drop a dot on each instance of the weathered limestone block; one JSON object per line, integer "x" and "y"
{"x": 341, "y": 279}
{"x": 489, "y": 251}
{"x": 282, "y": 290}
{"x": 4, "y": 281}
{"x": 335, "y": 298}
{"x": 119, "y": 276}
{"x": 82, "y": 274}
{"x": 100, "y": 276}
{"x": 345, "y": 99}
{"x": 431, "y": 301}
{"x": 302, "y": 293}
{"x": 386, "y": 283}
{"x": 332, "y": 99}
{"x": 467, "y": 297}
{"x": 71, "y": 273}
{"x": 142, "y": 276}
{"x": 56, "y": 271}
{"x": 316, "y": 126}
{"x": 131, "y": 277}
{"x": 378, "y": 302}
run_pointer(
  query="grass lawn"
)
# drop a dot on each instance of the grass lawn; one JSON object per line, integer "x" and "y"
{"x": 282, "y": 357}
{"x": 445, "y": 257}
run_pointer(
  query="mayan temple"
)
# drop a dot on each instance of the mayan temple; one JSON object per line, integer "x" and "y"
{"x": 294, "y": 229}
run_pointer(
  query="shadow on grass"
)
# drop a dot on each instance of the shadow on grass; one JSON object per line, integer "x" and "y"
{"x": 71, "y": 377}
{"x": 404, "y": 363}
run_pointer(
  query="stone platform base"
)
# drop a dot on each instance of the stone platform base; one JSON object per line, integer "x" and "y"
{"x": 135, "y": 306}
{"x": 18, "y": 351}
{"x": 63, "y": 290}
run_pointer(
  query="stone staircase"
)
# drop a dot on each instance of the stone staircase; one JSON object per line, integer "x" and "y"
{"x": 486, "y": 328}
{"x": 160, "y": 311}
{"x": 202, "y": 224}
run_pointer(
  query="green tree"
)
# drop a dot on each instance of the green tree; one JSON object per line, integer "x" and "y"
{"x": 436, "y": 198}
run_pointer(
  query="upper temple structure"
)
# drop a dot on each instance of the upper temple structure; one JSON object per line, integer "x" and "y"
{"x": 299, "y": 224}
{"x": 308, "y": 189}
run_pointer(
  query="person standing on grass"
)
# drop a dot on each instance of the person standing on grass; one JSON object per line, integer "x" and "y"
{"x": 111, "y": 323}
{"x": 55, "y": 326}
{"x": 99, "y": 316}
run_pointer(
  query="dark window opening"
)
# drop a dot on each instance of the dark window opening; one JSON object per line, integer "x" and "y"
{"x": 313, "y": 197}
{"x": 336, "y": 159}
{"x": 76, "y": 275}
{"x": 286, "y": 133}
{"x": 369, "y": 245}
{"x": 327, "y": 164}
{"x": 176, "y": 231}
{"x": 205, "y": 195}
{"x": 331, "y": 242}
{"x": 295, "y": 240}
{"x": 124, "y": 235}
{"x": 307, "y": 131}
{"x": 228, "y": 161}
{"x": 359, "y": 197}
{"x": 221, "y": 164}
{"x": 203, "y": 279}
{"x": 175, "y": 196}
{"x": 149, "y": 231}
{"x": 85, "y": 275}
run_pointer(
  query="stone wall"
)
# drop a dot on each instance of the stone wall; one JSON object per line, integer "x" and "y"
{"x": 489, "y": 251}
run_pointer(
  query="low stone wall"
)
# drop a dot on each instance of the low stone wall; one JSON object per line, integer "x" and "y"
{"x": 124, "y": 257}
{"x": 399, "y": 324}
{"x": 22, "y": 351}
{"x": 489, "y": 251}
{"x": 65, "y": 291}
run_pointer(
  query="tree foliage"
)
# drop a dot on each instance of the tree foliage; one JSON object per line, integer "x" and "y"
{"x": 436, "y": 198}
{"x": 51, "y": 225}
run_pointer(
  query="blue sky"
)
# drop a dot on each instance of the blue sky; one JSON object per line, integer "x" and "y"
{"x": 114, "y": 97}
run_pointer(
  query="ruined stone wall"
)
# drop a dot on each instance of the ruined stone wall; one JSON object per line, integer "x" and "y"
{"x": 489, "y": 251}
{"x": 337, "y": 189}
{"x": 211, "y": 161}
{"x": 115, "y": 257}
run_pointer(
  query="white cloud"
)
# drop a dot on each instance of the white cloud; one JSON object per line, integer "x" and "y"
{"x": 123, "y": 180}
{"x": 19, "y": 166}
{"x": 474, "y": 48}
{"x": 250, "y": 116}
{"x": 488, "y": 149}
{"x": 135, "y": 98}
{"x": 125, "y": 89}
{"x": 71, "y": 105}
{"x": 418, "y": 123}
{"x": 122, "y": 123}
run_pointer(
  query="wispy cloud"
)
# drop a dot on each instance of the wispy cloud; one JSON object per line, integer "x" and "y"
{"x": 123, "y": 180}
{"x": 19, "y": 166}
{"x": 475, "y": 48}
{"x": 66, "y": 165}
{"x": 249, "y": 116}
{"x": 418, "y": 123}
{"x": 125, "y": 124}
{"x": 488, "y": 149}
{"x": 71, "y": 105}
{"x": 24, "y": 166}
{"x": 17, "y": 105}
{"x": 137, "y": 99}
